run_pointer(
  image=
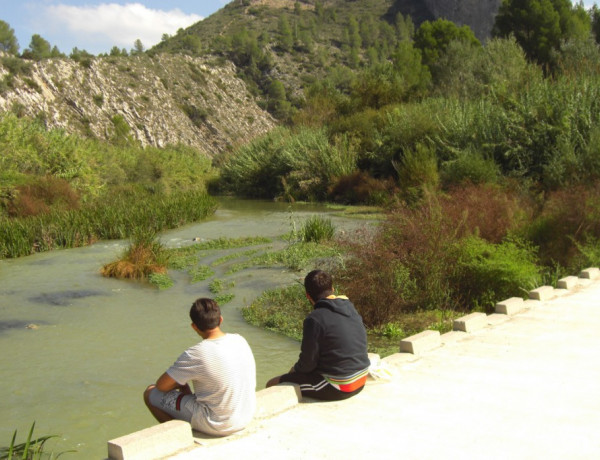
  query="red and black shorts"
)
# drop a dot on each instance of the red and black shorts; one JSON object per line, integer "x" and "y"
{"x": 314, "y": 385}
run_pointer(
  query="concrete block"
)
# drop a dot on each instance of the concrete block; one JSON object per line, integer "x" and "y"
{"x": 510, "y": 306}
{"x": 152, "y": 443}
{"x": 276, "y": 399}
{"x": 452, "y": 336}
{"x": 542, "y": 293}
{"x": 421, "y": 342}
{"x": 470, "y": 323}
{"x": 569, "y": 282}
{"x": 590, "y": 273}
{"x": 398, "y": 359}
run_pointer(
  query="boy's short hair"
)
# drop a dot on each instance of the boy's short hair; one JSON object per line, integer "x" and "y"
{"x": 318, "y": 284}
{"x": 205, "y": 314}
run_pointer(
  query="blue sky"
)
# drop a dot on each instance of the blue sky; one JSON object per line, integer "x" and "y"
{"x": 97, "y": 26}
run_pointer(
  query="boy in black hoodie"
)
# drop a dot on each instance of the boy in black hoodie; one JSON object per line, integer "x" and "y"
{"x": 333, "y": 363}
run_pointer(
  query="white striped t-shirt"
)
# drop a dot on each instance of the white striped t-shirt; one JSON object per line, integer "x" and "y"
{"x": 223, "y": 374}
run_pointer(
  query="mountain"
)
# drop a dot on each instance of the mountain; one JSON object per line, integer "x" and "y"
{"x": 226, "y": 79}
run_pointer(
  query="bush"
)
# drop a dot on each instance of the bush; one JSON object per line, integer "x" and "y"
{"x": 487, "y": 273}
{"x": 288, "y": 165}
{"x": 361, "y": 188}
{"x": 317, "y": 229}
{"x": 420, "y": 258}
{"x": 144, "y": 257}
{"x": 568, "y": 218}
{"x": 41, "y": 195}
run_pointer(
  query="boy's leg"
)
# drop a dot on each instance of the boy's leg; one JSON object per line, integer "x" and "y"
{"x": 315, "y": 386}
{"x": 168, "y": 406}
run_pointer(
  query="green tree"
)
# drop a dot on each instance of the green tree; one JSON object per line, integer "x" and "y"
{"x": 405, "y": 28}
{"x": 39, "y": 48}
{"x": 8, "y": 40}
{"x": 138, "y": 47}
{"x": 539, "y": 26}
{"x": 286, "y": 38}
{"x": 432, "y": 38}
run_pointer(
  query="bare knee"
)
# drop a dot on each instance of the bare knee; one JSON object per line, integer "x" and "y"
{"x": 274, "y": 381}
{"x": 147, "y": 394}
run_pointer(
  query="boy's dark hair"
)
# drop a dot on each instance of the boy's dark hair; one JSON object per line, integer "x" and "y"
{"x": 318, "y": 284}
{"x": 205, "y": 314}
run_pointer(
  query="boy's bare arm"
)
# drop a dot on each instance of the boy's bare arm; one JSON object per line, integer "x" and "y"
{"x": 166, "y": 383}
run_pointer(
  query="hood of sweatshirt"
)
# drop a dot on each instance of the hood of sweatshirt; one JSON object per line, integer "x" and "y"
{"x": 337, "y": 304}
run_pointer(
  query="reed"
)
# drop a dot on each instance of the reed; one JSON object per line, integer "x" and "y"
{"x": 115, "y": 217}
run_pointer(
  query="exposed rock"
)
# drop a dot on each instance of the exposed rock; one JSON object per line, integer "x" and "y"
{"x": 167, "y": 99}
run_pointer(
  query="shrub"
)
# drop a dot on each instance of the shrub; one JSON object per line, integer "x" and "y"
{"x": 145, "y": 256}
{"x": 567, "y": 218}
{"x": 41, "y": 195}
{"x": 487, "y": 273}
{"x": 281, "y": 310}
{"x": 361, "y": 188}
{"x": 317, "y": 229}
{"x": 415, "y": 260}
{"x": 469, "y": 167}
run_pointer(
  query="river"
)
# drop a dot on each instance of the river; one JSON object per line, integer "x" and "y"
{"x": 78, "y": 349}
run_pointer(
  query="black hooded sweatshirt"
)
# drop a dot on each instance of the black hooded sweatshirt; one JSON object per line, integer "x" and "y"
{"x": 334, "y": 340}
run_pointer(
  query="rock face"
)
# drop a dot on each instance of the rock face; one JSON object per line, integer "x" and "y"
{"x": 166, "y": 99}
{"x": 477, "y": 14}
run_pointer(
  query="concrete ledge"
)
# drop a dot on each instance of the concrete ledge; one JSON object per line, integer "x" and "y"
{"x": 590, "y": 273}
{"x": 276, "y": 399}
{"x": 542, "y": 293}
{"x": 452, "y": 336}
{"x": 398, "y": 359}
{"x": 510, "y": 306}
{"x": 570, "y": 282}
{"x": 496, "y": 318}
{"x": 419, "y": 343}
{"x": 470, "y": 323}
{"x": 155, "y": 442}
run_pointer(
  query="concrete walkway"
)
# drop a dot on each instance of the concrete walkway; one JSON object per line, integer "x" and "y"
{"x": 519, "y": 385}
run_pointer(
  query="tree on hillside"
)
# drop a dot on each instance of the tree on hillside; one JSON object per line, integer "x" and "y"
{"x": 40, "y": 48}
{"x": 8, "y": 40}
{"x": 432, "y": 38}
{"x": 539, "y": 26}
{"x": 138, "y": 47}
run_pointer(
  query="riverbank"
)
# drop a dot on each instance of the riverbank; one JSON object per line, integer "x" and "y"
{"x": 506, "y": 385}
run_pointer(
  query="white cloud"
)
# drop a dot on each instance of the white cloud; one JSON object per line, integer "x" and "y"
{"x": 116, "y": 24}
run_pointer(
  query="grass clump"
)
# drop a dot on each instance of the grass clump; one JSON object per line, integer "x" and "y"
{"x": 144, "y": 257}
{"x": 281, "y": 310}
{"x": 200, "y": 273}
{"x": 31, "y": 449}
{"x": 316, "y": 229}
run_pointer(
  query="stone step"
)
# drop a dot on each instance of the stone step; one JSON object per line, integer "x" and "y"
{"x": 542, "y": 293}
{"x": 470, "y": 323}
{"x": 158, "y": 441}
{"x": 591, "y": 273}
{"x": 510, "y": 306}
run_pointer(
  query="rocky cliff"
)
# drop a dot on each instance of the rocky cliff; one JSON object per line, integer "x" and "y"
{"x": 166, "y": 99}
{"x": 477, "y": 14}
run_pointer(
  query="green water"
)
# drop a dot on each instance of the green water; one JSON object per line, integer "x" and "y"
{"x": 94, "y": 344}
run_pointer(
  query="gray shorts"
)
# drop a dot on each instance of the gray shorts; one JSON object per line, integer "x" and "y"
{"x": 174, "y": 403}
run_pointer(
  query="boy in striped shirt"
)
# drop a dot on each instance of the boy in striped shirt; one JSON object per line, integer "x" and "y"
{"x": 222, "y": 371}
